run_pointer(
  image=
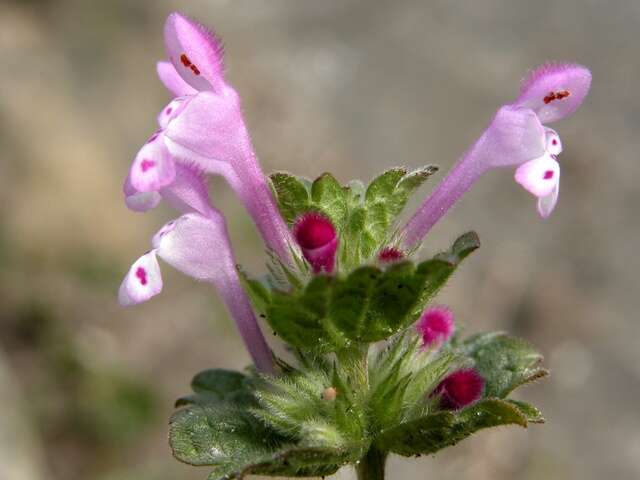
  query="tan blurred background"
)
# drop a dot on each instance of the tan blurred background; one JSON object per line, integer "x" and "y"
{"x": 351, "y": 87}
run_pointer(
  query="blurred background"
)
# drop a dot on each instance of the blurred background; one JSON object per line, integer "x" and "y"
{"x": 351, "y": 87}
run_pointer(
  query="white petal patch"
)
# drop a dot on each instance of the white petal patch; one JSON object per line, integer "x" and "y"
{"x": 142, "y": 282}
{"x": 539, "y": 176}
{"x": 157, "y": 238}
{"x": 172, "y": 110}
{"x": 547, "y": 203}
{"x": 153, "y": 167}
{"x": 553, "y": 142}
{"x": 142, "y": 201}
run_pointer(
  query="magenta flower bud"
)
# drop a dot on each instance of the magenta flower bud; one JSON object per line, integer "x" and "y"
{"x": 460, "y": 389}
{"x": 390, "y": 255}
{"x": 318, "y": 241}
{"x": 436, "y": 326}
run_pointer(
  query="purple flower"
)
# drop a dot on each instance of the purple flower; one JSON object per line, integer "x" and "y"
{"x": 460, "y": 389}
{"x": 436, "y": 326}
{"x": 516, "y": 137}
{"x": 318, "y": 241}
{"x": 203, "y": 127}
{"x": 197, "y": 244}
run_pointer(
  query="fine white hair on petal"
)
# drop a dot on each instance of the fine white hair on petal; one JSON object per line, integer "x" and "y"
{"x": 142, "y": 282}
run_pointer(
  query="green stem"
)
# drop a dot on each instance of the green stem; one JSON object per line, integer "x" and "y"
{"x": 371, "y": 467}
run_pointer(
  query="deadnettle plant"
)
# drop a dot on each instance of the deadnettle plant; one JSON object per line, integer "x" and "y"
{"x": 370, "y": 367}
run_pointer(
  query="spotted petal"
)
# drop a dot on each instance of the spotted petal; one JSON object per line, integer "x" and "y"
{"x": 142, "y": 282}
{"x": 173, "y": 81}
{"x": 153, "y": 167}
{"x": 539, "y": 176}
{"x": 555, "y": 90}
{"x": 172, "y": 110}
{"x": 195, "y": 52}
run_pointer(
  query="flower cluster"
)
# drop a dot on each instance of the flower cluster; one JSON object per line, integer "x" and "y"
{"x": 343, "y": 277}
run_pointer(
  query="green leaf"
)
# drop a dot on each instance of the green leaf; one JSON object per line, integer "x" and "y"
{"x": 299, "y": 317}
{"x": 387, "y": 196}
{"x": 533, "y": 414}
{"x": 292, "y": 195}
{"x": 330, "y": 198}
{"x": 434, "y": 432}
{"x": 217, "y": 385}
{"x": 383, "y": 187}
{"x": 236, "y": 444}
{"x": 505, "y": 362}
{"x": 366, "y": 306}
{"x": 438, "y": 270}
{"x": 410, "y": 183}
{"x": 258, "y": 292}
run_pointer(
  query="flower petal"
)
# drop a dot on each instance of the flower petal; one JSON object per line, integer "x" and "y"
{"x": 195, "y": 52}
{"x": 539, "y": 176}
{"x": 196, "y": 245}
{"x": 547, "y": 203}
{"x": 172, "y": 110}
{"x": 555, "y": 90}
{"x": 188, "y": 192}
{"x": 172, "y": 80}
{"x": 514, "y": 137}
{"x": 139, "y": 201}
{"x": 142, "y": 282}
{"x": 153, "y": 167}
{"x": 216, "y": 167}
{"x": 212, "y": 126}
{"x": 553, "y": 142}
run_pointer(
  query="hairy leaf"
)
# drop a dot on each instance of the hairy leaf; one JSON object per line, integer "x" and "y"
{"x": 292, "y": 195}
{"x": 434, "y": 432}
{"x": 505, "y": 362}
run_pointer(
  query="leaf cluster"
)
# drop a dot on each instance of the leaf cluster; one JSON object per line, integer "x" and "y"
{"x": 363, "y": 217}
{"x": 361, "y": 381}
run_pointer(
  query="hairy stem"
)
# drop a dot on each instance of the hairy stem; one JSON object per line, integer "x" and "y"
{"x": 371, "y": 467}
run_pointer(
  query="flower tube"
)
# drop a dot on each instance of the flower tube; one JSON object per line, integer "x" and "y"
{"x": 516, "y": 137}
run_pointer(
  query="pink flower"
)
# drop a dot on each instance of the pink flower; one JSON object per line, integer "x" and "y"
{"x": 460, "y": 389}
{"x": 197, "y": 244}
{"x": 203, "y": 127}
{"x": 318, "y": 241}
{"x": 436, "y": 326}
{"x": 516, "y": 137}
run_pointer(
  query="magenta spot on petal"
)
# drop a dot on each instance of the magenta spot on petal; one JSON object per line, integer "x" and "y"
{"x": 169, "y": 110}
{"x": 141, "y": 273}
{"x": 548, "y": 175}
{"x": 147, "y": 164}
{"x": 554, "y": 142}
{"x": 460, "y": 389}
